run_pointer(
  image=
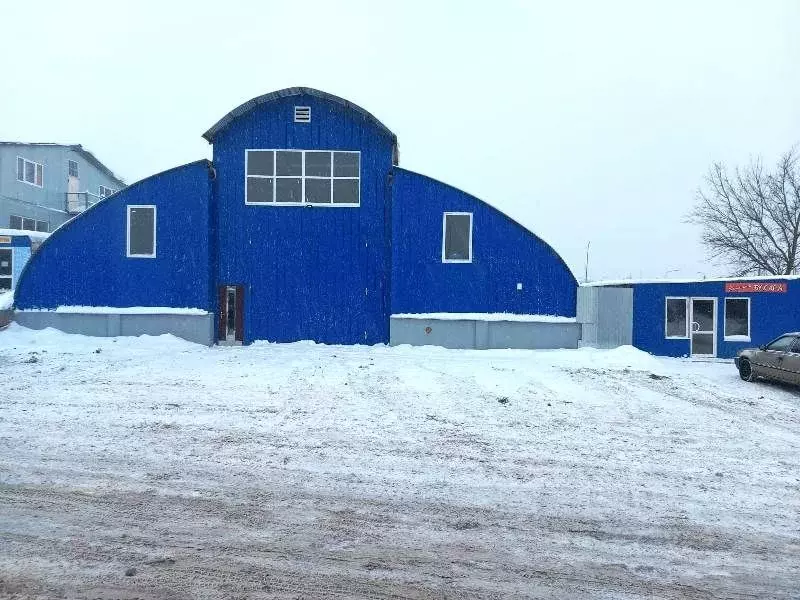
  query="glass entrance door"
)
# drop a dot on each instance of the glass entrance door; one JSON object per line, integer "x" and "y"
{"x": 703, "y": 327}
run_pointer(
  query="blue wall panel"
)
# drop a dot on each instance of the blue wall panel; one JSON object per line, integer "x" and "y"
{"x": 318, "y": 273}
{"x": 84, "y": 262}
{"x": 504, "y": 254}
{"x": 771, "y": 314}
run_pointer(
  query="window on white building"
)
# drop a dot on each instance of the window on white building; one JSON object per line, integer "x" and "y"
{"x": 105, "y": 192}
{"x": 27, "y": 224}
{"x": 457, "y": 237}
{"x": 302, "y": 177}
{"x": 73, "y": 168}
{"x": 737, "y": 319}
{"x": 141, "y": 236}
{"x": 30, "y": 172}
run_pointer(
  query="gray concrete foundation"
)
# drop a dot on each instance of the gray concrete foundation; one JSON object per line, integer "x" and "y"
{"x": 194, "y": 328}
{"x": 481, "y": 335}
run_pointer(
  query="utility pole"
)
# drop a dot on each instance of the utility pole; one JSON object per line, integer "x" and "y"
{"x": 586, "y": 265}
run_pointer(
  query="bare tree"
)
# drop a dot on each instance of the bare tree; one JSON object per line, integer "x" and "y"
{"x": 751, "y": 217}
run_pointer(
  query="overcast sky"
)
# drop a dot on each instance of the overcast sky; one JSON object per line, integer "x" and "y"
{"x": 584, "y": 121}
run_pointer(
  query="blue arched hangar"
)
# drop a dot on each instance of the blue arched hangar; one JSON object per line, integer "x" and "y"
{"x": 302, "y": 227}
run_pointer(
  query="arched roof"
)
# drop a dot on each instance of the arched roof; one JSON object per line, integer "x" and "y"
{"x": 510, "y": 219}
{"x": 245, "y": 108}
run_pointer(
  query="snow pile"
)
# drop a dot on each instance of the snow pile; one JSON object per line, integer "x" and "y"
{"x": 34, "y": 235}
{"x": 123, "y": 310}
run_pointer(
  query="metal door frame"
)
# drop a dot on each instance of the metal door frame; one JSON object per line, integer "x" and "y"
{"x": 692, "y": 330}
{"x": 223, "y": 315}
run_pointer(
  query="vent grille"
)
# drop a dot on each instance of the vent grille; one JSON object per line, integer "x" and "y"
{"x": 302, "y": 114}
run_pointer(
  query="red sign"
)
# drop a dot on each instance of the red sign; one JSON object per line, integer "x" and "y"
{"x": 755, "y": 287}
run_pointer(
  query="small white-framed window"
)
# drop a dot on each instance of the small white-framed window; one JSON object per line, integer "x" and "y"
{"x": 141, "y": 231}
{"x": 105, "y": 192}
{"x": 457, "y": 237}
{"x": 676, "y": 317}
{"x": 30, "y": 172}
{"x": 302, "y": 177}
{"x": 72, "y": 166}
{"x": 737, "y": 319}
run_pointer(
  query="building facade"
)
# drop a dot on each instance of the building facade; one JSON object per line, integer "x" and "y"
{"x": 16, "y": 247}
{"x": 700, "y": 318}
{"x": 44, "y": 185}
{"x": 302, "y": 227}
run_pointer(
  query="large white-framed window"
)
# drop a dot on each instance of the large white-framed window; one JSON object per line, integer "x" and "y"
{"x": 676, "y": 317}
{"x": 141, "y": 231}
{"x": 302, "y": 177}
{"x": 105, "y": 192}
{"x": 30, "y": 172}
{"x": 457, "y": 237}
{"x": 737, "y": 319}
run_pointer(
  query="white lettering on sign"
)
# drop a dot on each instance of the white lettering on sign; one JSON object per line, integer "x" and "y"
{"x": 756, "y": 286}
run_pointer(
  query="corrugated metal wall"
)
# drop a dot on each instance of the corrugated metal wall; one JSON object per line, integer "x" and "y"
{"x": 318, "y": 273}
{"x": 504, "y": 255}
{"x": 85, "y": 263}
{"x": 606, "y": 316}
{"x": 771, "y": 314}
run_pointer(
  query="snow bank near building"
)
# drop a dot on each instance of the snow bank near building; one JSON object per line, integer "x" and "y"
{"x": 122, "y": 310}
{"x": 38, "y": 236}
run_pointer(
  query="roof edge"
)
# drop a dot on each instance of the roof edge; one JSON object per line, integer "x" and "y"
{"x": 253, "y": 103}
{"x": 679, "y": 280}
{"x": 102, "y": 201}
{"x": 501, "y": 212}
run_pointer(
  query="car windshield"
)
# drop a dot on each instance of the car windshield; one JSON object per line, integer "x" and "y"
{"x": 782, "y": 343}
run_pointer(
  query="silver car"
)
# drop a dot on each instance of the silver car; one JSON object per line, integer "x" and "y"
{"x": 779, "y": 360}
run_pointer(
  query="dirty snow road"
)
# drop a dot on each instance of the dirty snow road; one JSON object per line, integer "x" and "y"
{"x": 304, "y": 471}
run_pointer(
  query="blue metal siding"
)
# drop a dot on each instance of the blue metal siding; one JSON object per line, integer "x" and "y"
{"x": 504, "y": 254}
{"x": 84, "y": 262}
{"x": 318, "y": 273}
{"x": 771, "y": 314}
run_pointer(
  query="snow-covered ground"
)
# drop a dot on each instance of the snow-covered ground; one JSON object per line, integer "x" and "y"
{"x": 309, "y": 471}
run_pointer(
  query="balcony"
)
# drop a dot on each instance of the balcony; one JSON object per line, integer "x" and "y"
{"x": 77, "y": 202}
